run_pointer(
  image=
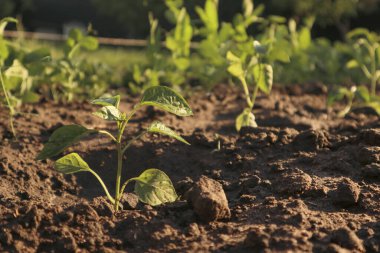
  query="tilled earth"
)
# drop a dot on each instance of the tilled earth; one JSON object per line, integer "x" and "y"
{"x": 304, "y": 181}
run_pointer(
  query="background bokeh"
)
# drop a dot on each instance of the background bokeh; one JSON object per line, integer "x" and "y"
{"x": 129, "y": 18}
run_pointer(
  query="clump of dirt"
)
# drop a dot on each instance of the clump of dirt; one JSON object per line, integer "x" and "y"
{"x": 303, "y": 181}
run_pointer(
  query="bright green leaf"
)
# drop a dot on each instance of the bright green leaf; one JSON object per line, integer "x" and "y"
{"x": 263, "y": 74}
{"x": 352, "y": 64}
{"x": 166, "y": 99}
{"x": 158, "y": 127}
{"x": 107, "y": 101}
{"x": 110, "y": 113}
{"x": 4, "y": 22}
{"x": 89, "y": 43}
{"x": 71, "y": 163}
{"x": 62, "y": 138}
{"x": 155, "y": 188}
{"x": 245, "y": 119}
{"x": 233, "y": 58}
{"x": 236, "y": 70}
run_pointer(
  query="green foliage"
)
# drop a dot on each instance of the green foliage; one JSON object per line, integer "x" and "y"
{"x": 365, "y": 53}
{"x": 152, "y": 186}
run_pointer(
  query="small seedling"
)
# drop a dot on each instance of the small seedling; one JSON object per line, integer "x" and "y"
{"x": 366, "y": 57}
{"x": 262, "y": 77}
{"x": 152, "y": 186}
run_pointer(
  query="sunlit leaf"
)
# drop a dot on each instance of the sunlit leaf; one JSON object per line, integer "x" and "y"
{"x": 166, "y": 99}
{"x": 107, "y": 101}
{"x": 155, "y": 188}
{"x": 62, "y": 138}
{"x": 110, "y": 113}
{"x": 245, "y": 119}
{"x": 158, "y": 127}
{"x": 71, "y": 163}
{"x": 263, "y": 74}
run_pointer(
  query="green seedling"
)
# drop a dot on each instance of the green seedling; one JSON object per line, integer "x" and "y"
{"x": 261, "y": 76}
{"x": 152, "y": 186}
{"x": 366, "y": 57}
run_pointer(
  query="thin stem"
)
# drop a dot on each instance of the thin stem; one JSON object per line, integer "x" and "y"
{"x": 255, "y": 91}
{"x": 132, "y": 141}
{"x": 108, "y": 134}
{"x": 118, "y": 176}
{"x": 125, "y": 185}
{"x": 373, "y": 70}
{"x": 246, "y": 91}
{"x": 104, "y": 186}
{"x": 11, "y": 109}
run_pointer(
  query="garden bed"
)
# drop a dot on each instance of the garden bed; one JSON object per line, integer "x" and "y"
{"x": 304, "y": 180}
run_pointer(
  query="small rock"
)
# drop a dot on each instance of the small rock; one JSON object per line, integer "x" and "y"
{"x": 347, "y": 193}
{"x": 129, "y": 201}
{"x": 292, "y": 182}
{"x": 368, "y": 155}
{"x": 251, "y": 182}
{"x": 208, "y": 200}
{"x": 371, "y": 171}
{"x": 347, "y": 239}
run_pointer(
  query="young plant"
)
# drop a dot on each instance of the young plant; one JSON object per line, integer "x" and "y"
{"x": 152, "y": 186}
{"x": 366, "y": 57}
{"x": 260, "y": 74}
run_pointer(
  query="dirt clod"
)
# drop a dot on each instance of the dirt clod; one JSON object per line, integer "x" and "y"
{"x": 208, "y": 200}
{"x": 367, "y": 155}
{"x": 310, "y": 140}
{"x": 347, "y": 193}
{"x": 293, "y": 182}
{"x": 129, "y": 201}
{"x": 347, "y": 239}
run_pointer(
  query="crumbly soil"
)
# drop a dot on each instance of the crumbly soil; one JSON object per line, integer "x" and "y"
{"x": 303, "y": 181}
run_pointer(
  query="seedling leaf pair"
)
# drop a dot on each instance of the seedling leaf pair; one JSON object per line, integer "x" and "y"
{"x": 152, "y": 186}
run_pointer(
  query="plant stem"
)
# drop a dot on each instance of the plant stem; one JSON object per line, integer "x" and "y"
{"x": 11, "y": 110}
{"x": 104, "y": 186}
{"x": 255, "y": 91}
{"x": 246, "y": 91}
{"x": 118, "y": 176}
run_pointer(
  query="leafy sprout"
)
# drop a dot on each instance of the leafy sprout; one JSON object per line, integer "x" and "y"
{"x": 152, "y": 186}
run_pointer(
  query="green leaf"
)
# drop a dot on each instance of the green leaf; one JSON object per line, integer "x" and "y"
{"x": 166, "y": 99}
{"x": 233, "y": 58}
{"x": 30, "y": 97}
{"x": 158, "y": 127}
{"x": 363, "y": 93}
{"x": 155, "y": 188}
{"x": 236, "y": 70}
{"x": 4, "y": 22}
{"x": 110, "y": 113}
{"x": 263, "y": 74}
{"x": 62, "y": 138}
{"x": 352, "y": 64}
{"x": 245, "y": 119}
{"x": 304, "y": 38}
{"x": 89, "y": 43}
{"x": 374, "y": 105}
{"x": 71, "y": 163}
{"x": 107, "y": 101}
{"x": 37, "y": 55}
{"x": 337, "y": 95}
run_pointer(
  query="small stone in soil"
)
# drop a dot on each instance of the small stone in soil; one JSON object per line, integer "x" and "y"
{"x": 346, "y": 194}
{"x": 208, "y": 200}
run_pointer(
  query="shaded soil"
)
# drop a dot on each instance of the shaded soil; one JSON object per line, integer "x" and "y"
{"x": 304, "y": 181}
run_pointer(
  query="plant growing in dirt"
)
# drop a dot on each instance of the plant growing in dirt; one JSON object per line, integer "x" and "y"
{"x": 69, "y": 73}
{"x": 18, "y": 70}
{"x": 366, "y": 57}
{"x": 258, "y": 73}
{"x": 152, "y": 186}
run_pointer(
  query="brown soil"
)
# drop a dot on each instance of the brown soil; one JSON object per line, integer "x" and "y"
{"x": 304, "y": 181}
